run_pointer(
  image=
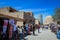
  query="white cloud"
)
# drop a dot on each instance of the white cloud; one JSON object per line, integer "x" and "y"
{"x": 17, "y": 7}
{"x": 33, "y": 10}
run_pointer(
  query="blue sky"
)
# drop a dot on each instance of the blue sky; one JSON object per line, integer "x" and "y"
{"x": 44, "y": 7}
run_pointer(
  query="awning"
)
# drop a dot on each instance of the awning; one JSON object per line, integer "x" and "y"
{"x": 10, "y": 17}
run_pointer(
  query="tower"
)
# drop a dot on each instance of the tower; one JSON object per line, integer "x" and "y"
{"x": 40, "y": 18}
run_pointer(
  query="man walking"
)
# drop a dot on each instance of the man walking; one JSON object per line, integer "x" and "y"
{"x": 33, "y": 29}
{"x": 38, "y": 26}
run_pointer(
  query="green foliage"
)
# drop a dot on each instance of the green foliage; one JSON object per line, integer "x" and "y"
{"x": 56, "y": 16}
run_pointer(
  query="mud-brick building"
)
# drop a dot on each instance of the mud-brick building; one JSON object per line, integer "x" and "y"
{"x": 20, "y": 17}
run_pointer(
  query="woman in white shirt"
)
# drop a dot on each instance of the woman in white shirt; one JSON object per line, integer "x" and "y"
{"x": 21, "y": 32}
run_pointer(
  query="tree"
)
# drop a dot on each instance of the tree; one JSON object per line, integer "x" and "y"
{"x": 56, "y": 16}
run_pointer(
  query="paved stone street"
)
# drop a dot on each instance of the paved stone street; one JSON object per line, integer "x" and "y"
{"x": 44, "y": 35}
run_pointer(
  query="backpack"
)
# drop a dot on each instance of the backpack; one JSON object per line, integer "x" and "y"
{"x": 38, "y": 26}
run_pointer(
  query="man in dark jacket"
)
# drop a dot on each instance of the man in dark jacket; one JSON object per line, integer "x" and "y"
{"x": 33, "y": 29}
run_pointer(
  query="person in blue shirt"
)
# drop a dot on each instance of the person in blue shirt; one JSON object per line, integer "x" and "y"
{"x": 58, "y": 33}
{"x": 26, "y": 29}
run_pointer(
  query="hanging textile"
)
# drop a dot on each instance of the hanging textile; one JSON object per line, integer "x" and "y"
{"x": 5, "y": 26}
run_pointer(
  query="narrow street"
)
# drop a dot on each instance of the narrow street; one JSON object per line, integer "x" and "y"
{"x": 43, "y": 35}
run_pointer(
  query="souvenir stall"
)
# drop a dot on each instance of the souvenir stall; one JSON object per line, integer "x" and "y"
{"x": 6, "y": 26}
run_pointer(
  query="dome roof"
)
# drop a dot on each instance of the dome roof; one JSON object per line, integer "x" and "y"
{"x": 49, "y": 17}
{"x": 48, "y": 20}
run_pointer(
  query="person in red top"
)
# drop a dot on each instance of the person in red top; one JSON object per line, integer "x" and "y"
{"x": 29, "y": 29}
{"x": 38, "y": 27}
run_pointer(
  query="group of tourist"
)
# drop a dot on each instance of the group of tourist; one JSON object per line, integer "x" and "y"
{"x": 55, "y": 28}
{"x": 9, "y": 30}
{"x": 27, "y": 29}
